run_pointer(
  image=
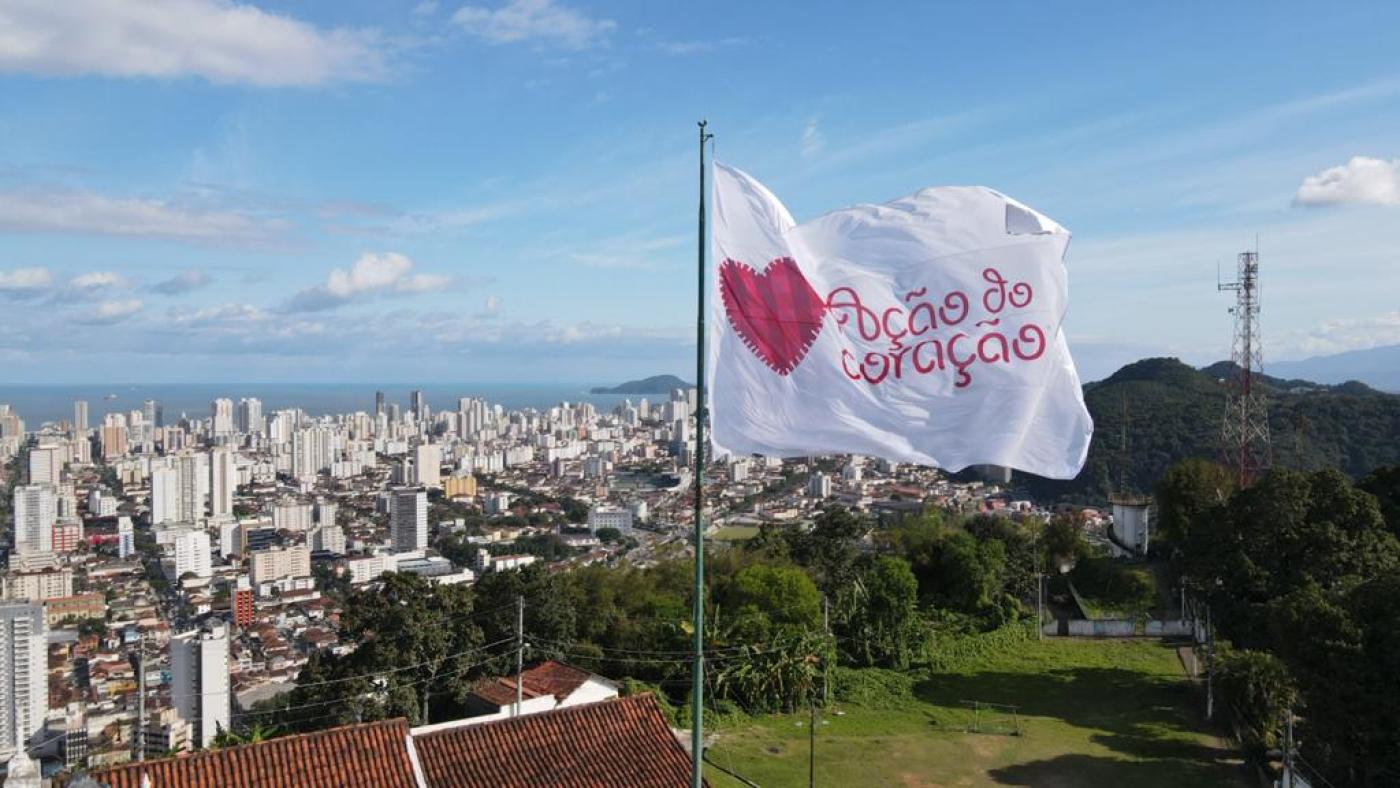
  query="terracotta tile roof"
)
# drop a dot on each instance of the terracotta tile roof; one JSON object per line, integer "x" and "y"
{"x": 547, "y": 678}
{"x": 625, "y": 741}
{"x": 501, "y": 691}
{"x": 555, "y": 678}
{"x": 369, "y": 755}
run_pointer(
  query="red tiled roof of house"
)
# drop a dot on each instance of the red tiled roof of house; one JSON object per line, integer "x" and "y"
{"x": 369, "y": 755}
{"x": 625, "y": 741}
{"x": 555, "y": 678}
{"x": 547, "y": 678}
{"x": 501, "y": 691}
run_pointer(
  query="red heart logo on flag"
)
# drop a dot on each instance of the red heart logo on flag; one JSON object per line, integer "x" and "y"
{"x": 776, "y": 313}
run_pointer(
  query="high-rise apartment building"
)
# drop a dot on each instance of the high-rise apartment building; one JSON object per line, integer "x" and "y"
{"x": 250, "y": 418}
{"x": 200, "y": 681}
{"x": 46, "y": 464}
{"x": 221, "y": 418}
{"x": 80, "y": 417}
{"x": 408, "y": 519}
{"x": 24, "y": 692}
{"x": 427, "y": 465}
{"x": 223, "y": 479}
{"x": 192, "y": 554}
{"x": 36, "y": 512}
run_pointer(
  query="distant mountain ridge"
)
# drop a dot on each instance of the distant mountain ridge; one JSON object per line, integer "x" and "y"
{"x": 656, "y": 384}
{"x": 1378, "y": 367}
{"x": 1174, "y": 411}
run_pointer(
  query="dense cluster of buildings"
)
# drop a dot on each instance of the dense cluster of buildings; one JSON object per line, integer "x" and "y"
{"x": 163, "y": 573}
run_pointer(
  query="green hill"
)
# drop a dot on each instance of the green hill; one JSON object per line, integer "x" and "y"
{"x": 1174, "y": 411}
{"x": 657, "y": 384}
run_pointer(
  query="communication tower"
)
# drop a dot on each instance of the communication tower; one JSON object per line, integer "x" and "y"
{"x": 1244, "y": 433}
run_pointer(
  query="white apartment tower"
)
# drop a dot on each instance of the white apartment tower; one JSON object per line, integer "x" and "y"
{"x": 221, "y": 418}
{"x": 427, "y": 465}
{"x": 408, "y": 519}
{"x": 36, "y": 511}
{"x": 250, "y": 418}
{"x": 165, "y": 495}
{"x": 46, "y": 464}
{"x": 24, "y": 690}
{"x": 192, "y": 554}
{"x": 223, "y": 478}
{"x": 199, "y": 681}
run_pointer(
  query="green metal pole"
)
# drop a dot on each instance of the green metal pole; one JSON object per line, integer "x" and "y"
{"x": 697, "y": 689}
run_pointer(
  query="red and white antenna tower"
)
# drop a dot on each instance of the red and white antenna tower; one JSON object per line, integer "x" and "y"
{"x": 1244, "y": 434}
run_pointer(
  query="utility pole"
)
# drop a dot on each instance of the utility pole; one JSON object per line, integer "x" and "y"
{"x": 1039, "y": 606}
{"x": 1210, "y": 667}
{"x": 141, "y": 698}
{"x": 1288, "y": 778}
{"x": 519, "y": 652}
{"x": 812, "y": 747}
{"x": 826, "y": 668}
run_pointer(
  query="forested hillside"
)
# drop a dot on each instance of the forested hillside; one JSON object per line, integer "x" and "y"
{"x": 1173, "y": 411}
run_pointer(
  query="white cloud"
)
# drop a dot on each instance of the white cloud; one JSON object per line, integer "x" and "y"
{"x": 24, "y": 282}
{"x": 97, "y": 214}
{"x": 491, "y": 307}
{"x": 112, "y": 311}
{"x": 372, "y": 274}
{"x": 183, "y": 282}
{"x": 97, "y": 280}
{"x": 1339, "y": 336}
{"x": 218, "y": 40}
{"x": 1362, "y": 180}
{"x": 533, "y": 20}
{"x": 425, "y": 8}
{"x": 812, "y": 139}
{"x": 229, "y": 314}
{"x": 630, "y": 252}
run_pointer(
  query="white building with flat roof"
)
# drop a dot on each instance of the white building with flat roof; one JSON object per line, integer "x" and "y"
{"x": 199, "y": 686}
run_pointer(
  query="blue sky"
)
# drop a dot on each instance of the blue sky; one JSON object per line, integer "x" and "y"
{"x": 504, "y": 191}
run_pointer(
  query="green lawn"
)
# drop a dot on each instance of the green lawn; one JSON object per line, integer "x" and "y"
{"x": 1092, "y": 713}
{"x": 735, "y": 533}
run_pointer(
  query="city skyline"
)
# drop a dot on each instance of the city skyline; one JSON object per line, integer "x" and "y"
{"x": 506, "y": 191}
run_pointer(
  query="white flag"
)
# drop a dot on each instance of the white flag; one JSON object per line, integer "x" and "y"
{"x": 924, "y": 330}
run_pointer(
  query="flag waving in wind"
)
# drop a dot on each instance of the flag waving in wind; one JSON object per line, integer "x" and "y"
{"x": 924, "y": 330}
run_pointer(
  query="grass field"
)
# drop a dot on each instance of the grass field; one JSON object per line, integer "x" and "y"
{"x": 1092, "y": 713}
{"x": 735, "y": 533}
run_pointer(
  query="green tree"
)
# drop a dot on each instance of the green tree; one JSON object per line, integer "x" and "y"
{"x": 1185, "y": 493}
{"x": 877, "y": 616}
{"x": 1384, "y": 483}
{"x": 416, "y": 645}
{"x": 1258, "y": 692}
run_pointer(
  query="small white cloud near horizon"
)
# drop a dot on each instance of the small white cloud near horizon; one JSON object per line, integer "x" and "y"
{"x": 812, "y": 140}
{"x": 90, "y": 213}
{"x": 491, "y": 307}
{"x": 24, "y": 282}
{"x": 1341, "y": 336}
{"x": 372, "y": 274}
{"x": 1363, "y": 180}
{"x": 112, "y": 312}
{"x": 218, "y": 40}
{"x": 97, "y": 280}
{"x": 533, "y": 20}
{"x": 184, "y": 282}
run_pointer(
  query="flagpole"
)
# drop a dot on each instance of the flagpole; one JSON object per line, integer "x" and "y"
{"x": 697, "y": 689}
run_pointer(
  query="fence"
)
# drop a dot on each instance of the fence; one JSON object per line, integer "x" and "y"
{"x": 1118, "y": 628}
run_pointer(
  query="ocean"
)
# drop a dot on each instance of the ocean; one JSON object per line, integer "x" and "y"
{"x": 54, "y": 403}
